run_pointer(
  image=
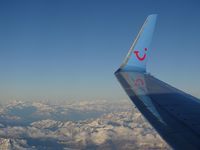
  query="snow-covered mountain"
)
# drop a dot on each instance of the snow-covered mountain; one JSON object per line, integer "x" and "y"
{"x": 96, "y": 125}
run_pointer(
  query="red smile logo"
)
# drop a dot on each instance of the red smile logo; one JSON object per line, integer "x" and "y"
{"x": 138, "y": 57}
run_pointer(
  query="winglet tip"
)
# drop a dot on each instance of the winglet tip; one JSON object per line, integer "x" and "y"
{"x": 141, "y": 43}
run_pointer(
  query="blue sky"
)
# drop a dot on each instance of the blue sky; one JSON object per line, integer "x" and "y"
{"x": 69, "y": 49}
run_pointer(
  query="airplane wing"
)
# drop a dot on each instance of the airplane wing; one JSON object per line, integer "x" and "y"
{"x": 174, "y": 114}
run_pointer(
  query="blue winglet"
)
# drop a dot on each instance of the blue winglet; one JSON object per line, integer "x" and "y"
{"x": 137, "y": 55}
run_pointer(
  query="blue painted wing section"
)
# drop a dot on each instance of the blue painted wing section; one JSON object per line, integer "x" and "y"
{"x": 138, "y": 53}
{"x": 174, "y": 114}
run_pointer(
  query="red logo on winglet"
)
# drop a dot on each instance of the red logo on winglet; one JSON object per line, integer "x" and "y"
{"x": 138, "y": 57}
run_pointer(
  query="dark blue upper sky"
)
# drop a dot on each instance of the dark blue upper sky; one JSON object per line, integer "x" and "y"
{"x": 69, "y": 49}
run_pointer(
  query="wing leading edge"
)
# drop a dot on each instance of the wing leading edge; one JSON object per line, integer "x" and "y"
{"x": 174, "y": 114}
